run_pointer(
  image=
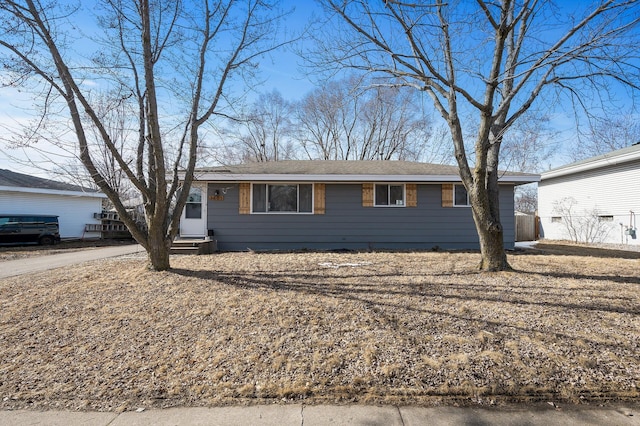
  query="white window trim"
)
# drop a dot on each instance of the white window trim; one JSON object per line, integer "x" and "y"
{"x": 313, "y": 198}
{"x": 454, "y": 197}
{"x": 394, "y": 206}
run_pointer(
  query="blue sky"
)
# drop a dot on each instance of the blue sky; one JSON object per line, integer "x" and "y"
{"x": 280, "y": 71}
{"x": 283, "y": 68}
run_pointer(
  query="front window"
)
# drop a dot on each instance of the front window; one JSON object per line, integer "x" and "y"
{"x": 282, "y": 198}
{"x": 460, "y": 196}
{"x": 389, "y": 195}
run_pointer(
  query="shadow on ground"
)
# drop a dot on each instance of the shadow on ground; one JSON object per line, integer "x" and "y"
{"x": 559, "y": 249}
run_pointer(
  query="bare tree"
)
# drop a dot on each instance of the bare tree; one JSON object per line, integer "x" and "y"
{"x": 491, "y": 59}
{"x": 392, "y": 125}
{"x": 171, "y": 60}
{"x": 438, "y": 149}
{"x": 263, "y": 134}
{"x": 119, "y": 121}
{"x": 57, "y": 155}
{"x": 350, "y": 119}
{"x": 326, "y": 120}
{"x": 526, "y": 198}
{"x": 528, "y": 145}
{"x": 606, "y": 135}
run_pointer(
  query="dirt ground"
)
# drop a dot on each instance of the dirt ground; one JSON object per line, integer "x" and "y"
{"x": 404, "y": 328}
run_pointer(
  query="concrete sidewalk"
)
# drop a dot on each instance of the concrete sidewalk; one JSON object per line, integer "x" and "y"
{"x": 30, "y": 265}
{"x": 331, "y": 415}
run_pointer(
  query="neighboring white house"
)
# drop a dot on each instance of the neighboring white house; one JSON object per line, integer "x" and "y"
{"x": 594, "y": 200}
{"x": 75, "y": 206}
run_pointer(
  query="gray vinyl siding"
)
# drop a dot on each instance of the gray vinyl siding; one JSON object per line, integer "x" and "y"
{"x": 348, "y": 225}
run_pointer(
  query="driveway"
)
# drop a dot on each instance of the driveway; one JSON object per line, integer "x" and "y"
{"x": 30, "y": 265}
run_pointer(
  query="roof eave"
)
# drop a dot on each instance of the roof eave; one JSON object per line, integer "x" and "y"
{"x": 592, "y": 165}
{"x": 52, "y": 192}
{"x": 283, "y": 177}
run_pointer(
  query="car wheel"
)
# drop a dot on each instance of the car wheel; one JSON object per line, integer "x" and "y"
{"x": 46, "y": 240}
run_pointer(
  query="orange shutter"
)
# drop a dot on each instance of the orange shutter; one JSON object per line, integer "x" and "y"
{"x": 412, "y": 194}
{"x": 244, "y": 189}
{"x": 318, "y": 198}
{"x": 447, "y": 195}
{"x": 367, "y": 195}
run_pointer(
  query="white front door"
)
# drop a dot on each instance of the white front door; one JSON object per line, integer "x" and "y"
{"x": 193, "y": 222}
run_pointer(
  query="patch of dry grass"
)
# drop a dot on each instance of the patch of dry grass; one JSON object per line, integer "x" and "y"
{"x": 420, "y": 328}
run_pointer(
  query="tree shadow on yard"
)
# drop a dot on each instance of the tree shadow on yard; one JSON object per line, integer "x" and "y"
{"x": 559, "y": 249}
{"x": 566, "y": 275}
{"x": 377, "y": 296}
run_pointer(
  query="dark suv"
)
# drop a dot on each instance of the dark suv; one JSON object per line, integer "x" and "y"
{"x": 28, "y": 228}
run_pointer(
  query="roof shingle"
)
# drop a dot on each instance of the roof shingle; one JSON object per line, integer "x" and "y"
{"x": 341, "y": 167}
{"x": 20, "y": 180}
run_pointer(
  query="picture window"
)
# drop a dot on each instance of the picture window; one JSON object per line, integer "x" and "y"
{"x": 282, "y": 198}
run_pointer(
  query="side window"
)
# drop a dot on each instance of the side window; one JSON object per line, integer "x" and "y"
{"x": 389, "y": 195}
{"x": 10, "y": 225}
{"x": 305, "y": 198}
{"x": 259, "y": 201}
{"x": 460, "y": 196}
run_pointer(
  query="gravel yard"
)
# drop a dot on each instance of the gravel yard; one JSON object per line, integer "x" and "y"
{"x": 422, "y": 328}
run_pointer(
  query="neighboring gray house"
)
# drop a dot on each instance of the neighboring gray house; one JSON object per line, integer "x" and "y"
{"x": 594, "y": 200}
{"x": 75, "y": 206}
{"x": 338, "y": 205}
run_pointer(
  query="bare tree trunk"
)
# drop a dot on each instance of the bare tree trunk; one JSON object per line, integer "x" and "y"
{"x": 494, "y": 257}
{"x": 490, "y": 234}
{"x": 145, "y": 38}
{"x": 490, "y": 230}
{"x": 158, "y": 250}
{"x": 581, "y": 56}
